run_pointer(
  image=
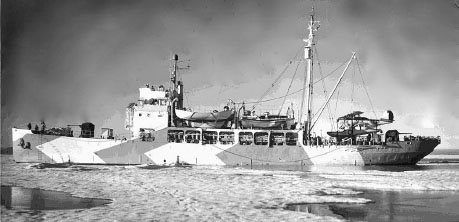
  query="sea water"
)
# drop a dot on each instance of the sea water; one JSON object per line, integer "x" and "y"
{"x": 422, "y": 192}
{"x": 38, "y": 199}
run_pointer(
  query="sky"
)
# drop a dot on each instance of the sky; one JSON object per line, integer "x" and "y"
{"x": 67, "y": 62}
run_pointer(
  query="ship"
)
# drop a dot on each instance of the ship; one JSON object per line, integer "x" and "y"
{"x": 162, "y": 131}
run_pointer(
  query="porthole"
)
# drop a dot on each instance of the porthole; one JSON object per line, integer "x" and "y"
{"x": 140, "y": 114}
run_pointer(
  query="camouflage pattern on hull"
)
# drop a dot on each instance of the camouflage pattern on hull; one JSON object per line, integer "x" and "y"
{"x": 59, "y": 149}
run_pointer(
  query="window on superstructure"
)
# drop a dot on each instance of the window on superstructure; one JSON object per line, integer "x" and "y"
{"x": 175, "y": 136}
{"x": 192, "y": 136}
{"x": 162, "y": 102}
{"x": 226, "y": 138}
{"x": 291, "y": 139}
{"x": 261, "y": 138}
{"x": 277, "y": 138}
{"x": 245, "y": 138}
{"x": 209, "y": 137}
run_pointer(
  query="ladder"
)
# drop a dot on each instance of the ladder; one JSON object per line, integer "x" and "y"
{"x": 39, "y": 152}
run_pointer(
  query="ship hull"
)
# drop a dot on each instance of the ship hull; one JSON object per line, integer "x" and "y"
{"x": 60, "y": 149}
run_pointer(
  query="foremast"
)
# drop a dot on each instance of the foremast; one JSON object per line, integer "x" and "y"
{"x": 308, "y": 80}
{"x": 176, "y": 92}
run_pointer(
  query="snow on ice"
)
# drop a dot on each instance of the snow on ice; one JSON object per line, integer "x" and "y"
{"x": 209, "y": 193}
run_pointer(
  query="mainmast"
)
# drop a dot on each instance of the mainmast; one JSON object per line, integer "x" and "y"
{"x": 308, "y": 55}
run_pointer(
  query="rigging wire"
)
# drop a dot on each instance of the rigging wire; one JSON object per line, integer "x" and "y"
{"x": 365, "y": 87}
{"x": 330, "y": 116}
{"x": 297, "y": 91}
{"x": 187, "y": 99}
{"x": 288, "y": 90}
{"x": 336, "y": 104}
{"x": 334, "y": 89}
{"x": 277, "y": 79}
{"x": 353, "y": 86}
{"x": 315, "y": 114}
{"x": 197, "y": 90}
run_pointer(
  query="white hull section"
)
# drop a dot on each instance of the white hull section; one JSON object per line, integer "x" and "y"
{"x": 76, "y": 150}
{"x": 334, "y": 155}
{"x": 59, "y": 149}
{"x": 189, "y": 153}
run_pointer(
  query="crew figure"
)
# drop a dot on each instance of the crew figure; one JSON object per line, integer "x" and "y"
{"x": 290, "y": 112}
{"x": 43, "y": 126}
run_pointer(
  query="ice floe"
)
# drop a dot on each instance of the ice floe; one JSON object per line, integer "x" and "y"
{"x": 212, "y": 193}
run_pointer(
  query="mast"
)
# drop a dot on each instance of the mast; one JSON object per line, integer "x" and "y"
{"x": 172, "y": 90}
{"x": 308, "y": 55}
{"x": 173, "y": 83}
{"x": 175, "y": 91}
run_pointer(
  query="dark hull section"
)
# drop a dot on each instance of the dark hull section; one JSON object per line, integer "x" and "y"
{"x": 133, "y": 152}
{"x": 397, "y": 153}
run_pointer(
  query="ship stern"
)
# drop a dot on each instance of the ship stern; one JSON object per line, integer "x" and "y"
{"x": 400, "y": 152}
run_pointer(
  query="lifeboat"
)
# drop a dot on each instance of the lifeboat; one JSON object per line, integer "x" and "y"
{"x": 205, "y": 120}
{"x": 268, "y": 122}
